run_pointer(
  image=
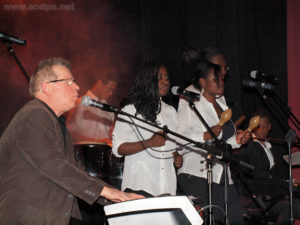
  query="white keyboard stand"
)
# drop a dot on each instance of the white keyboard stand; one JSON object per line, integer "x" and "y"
{"x": 171, "y": 210}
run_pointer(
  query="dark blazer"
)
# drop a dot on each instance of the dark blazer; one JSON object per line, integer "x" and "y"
{"x": 39, "y": 181}
{"x": 262, "y": 180}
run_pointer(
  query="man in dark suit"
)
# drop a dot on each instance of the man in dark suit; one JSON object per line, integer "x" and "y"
{"x": 265, "y": 186}
{"x": 39, "y": 181}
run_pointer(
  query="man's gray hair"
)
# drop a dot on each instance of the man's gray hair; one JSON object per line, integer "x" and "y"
{"x": 44, "y": 72}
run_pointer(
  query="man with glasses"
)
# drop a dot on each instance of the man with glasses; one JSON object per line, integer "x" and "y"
{"x": 39, "y": 180}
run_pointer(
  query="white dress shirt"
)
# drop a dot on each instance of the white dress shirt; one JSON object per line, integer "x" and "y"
{"x": 183, "y": 103}
{"x": 267, "y": 148}
{"x": 87, "y": 123}
{"x": 190, "y": 126}
{"x": 147, "y": 170}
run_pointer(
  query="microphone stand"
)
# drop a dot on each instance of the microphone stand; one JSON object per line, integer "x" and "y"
{"x": 225, "y": 191}
{"x": 226, "y": 149}
{"x": 290, "y": 136}
{"x": 12, "y": 52}
{"x": 165, "y": 129}
{"x": 287, "y": 111}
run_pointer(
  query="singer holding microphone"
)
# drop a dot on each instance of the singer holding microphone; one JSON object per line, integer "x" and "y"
{"x": 149, "y": 153}
{"x": 192, "y": 176}
{"x": 40, "y": 181}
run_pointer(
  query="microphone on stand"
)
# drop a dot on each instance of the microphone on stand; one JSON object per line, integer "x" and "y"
{"x": 87, "y": 101}
{"x": 189, "y": 94}
{"x": 259, "y": 76}
{"x": 258, "y": 85}
{"x": 12, "y": 39}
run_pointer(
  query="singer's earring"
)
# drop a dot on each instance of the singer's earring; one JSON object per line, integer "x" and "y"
{"x": 202, "y": 91}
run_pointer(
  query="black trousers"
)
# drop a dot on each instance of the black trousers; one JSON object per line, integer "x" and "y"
{"x": 92, "y": 214}
{"x": 74, "y": 221}
{"x": 140, "y": 192}
{"x": 280, "y": 210}
{"x": 198, "y": 187}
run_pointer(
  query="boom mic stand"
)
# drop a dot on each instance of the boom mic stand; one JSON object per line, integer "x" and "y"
{"x": 290, "y": 136}
{"x": 287, "y": 111}
{"x": 12, "y": 52}
{"x": 87, "y": 101}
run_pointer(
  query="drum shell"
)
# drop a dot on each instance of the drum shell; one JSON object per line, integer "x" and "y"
{"x": 99, "y": 161}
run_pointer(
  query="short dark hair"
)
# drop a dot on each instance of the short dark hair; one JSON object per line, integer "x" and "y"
{"x": 190, "y": 54}
{"x": 262, "y": 113}
{"x": 201, "y": 70}
{"x": 208, "y": 53}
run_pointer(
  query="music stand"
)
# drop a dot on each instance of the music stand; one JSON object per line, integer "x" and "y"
{"x": 170, "y": 210}
{"x": 295, "y": 158}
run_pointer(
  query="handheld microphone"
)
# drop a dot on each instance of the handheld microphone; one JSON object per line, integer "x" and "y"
{"x": 12, "y": 39}
{"x": 189, "y": 94}
{"x": 259, "y": 85}
{"x": 256, "y": 75}
{"x": 87, "y": 101}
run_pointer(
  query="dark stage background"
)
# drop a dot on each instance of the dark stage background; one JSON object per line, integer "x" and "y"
{"x": 110, "y": 38}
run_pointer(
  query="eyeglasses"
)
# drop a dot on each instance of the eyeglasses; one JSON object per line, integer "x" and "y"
{"x": 226, "y": 68}
{"x": 163, "y": 76}
{"x": 69, "y": 82}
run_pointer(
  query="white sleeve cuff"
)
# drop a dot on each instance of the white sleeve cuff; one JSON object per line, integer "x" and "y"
{"x": 116, "y": 145}
{"x": 232, "y": 142}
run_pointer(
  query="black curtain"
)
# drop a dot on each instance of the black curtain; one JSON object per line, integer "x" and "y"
{"x": 250, "y": 33}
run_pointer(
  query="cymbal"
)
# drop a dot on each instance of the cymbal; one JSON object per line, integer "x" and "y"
{"x": 104, "y": 141}
{"x": 295, "y": 158}
{"x": 90, "y": 143}
{"x": 107, "y": 141}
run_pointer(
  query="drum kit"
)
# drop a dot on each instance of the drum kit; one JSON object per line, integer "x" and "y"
{"x": 98, "y": 160}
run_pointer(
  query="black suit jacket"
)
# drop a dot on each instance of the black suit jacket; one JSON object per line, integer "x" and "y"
{"x": 262, "y": 180}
